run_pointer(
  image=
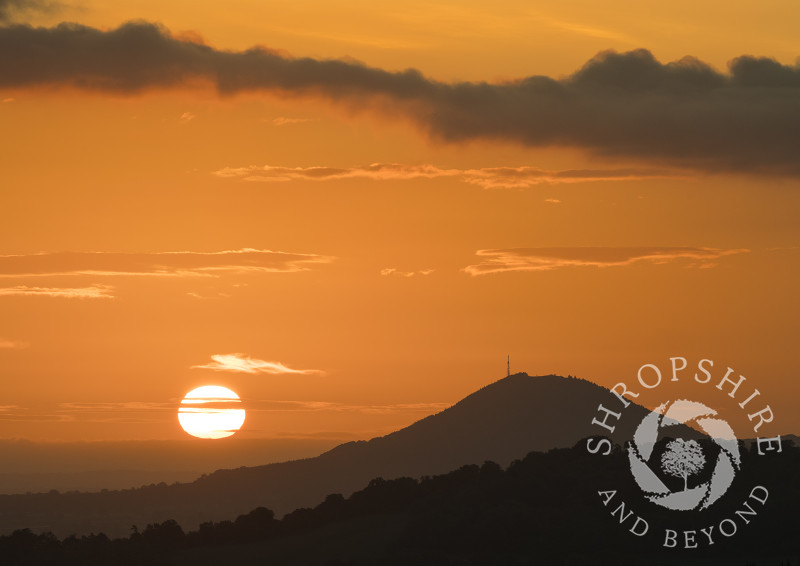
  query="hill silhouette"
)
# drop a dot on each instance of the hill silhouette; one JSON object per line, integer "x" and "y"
{"x": 500, "y": 422}
{"x": 542, "y": 509}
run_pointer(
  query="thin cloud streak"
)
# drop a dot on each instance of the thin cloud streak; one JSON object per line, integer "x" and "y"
{"x": 163, "y": 264}
{"x": 547, "y": 259}
{"x": 286, "y": 121}
{"x": 241, "y": 363}
{"x": 93, "y": 292}
{"x": 272, "y": 406}
{"x": 12, "y": 345}
{"x": 157, "y": 412}
{"x": 486, "y": 178}
{"x": 396, "y": 272}
{"x": 683, "y": 113}
{"x": 117, "y": 406}
{"x": 108, "y": 412}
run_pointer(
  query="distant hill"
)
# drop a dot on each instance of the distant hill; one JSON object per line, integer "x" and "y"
{"x": 89, "y": 480}
{"x": 36, "y": 466}
{"x": 542, "y": 509}
{"x": 500, "y": 422}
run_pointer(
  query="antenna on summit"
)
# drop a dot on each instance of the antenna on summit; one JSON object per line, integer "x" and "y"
{"x": 508, "y": 365}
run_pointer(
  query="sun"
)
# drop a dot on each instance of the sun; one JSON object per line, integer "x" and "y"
{"x": 211, "y": 411}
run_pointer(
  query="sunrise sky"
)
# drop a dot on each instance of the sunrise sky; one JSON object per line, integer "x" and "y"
{"x": 349, "y": 213}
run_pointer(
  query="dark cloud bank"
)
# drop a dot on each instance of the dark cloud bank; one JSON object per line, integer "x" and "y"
{"x": 627, "y": 104}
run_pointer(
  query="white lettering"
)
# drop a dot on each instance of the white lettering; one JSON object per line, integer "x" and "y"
{"x": 675, "y": 368}
{"x": 763, "y": 491}
{"x": 729, "y": 380}
{"x": 708, "y": 534}
{"x": 658, "y": 375}
{"x": 722, "y": 530}
{"x": 607, "y": 495}
{"x": 688, "y": 538}
{"x": 603, "y": 423}
{"x": 670, "y": 538}
{"x": 768, "y": 442}
{"x": 600, "y": 442}
{"x": 704, "y": 370}
{"x": 761, "y": 418}
{"x": 621, "y": 394}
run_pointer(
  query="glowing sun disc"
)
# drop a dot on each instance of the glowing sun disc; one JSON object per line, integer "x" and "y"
{"x": 211, "y": 412}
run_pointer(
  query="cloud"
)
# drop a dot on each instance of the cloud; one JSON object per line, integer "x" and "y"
{"x": 284, "y": 121}
{"x": 398, "y": 273}
{"x": 487, "y": 177}
{"x": 27, "y": 415}
{"x": 11, "y": 8}
{"x": 118, "y": 406}
{"x": 318, "y": 406}
{"x": 216, "y": 295}
{"x": 169, "y": 264}
{"x": 242, "y": 363}
{"x": 187, "y": 117}
{"x": 12, "y": 344}
{"x": 546, "y": 259}
{"x": 118, "y": 412}
{"x": 683, "y": 113}
{"x": 592, "y": 31}
{"x": 93, "y": 292}
{"x": 155, "y": 412}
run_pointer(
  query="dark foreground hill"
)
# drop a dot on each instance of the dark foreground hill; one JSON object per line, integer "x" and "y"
{"x": 543, "y": 509}
{"x": 501, "y": 422}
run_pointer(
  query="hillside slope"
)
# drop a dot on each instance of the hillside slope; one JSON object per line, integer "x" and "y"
{"x": 500, "y": 422}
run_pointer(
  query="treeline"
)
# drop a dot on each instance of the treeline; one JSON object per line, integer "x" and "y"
{"x": 543, "y": 509}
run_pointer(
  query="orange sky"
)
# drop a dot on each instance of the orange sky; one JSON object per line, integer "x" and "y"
{"x": 346, "y": 240}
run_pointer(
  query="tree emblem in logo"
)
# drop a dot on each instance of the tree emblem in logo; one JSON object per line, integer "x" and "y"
{"x": 683, "y": 458}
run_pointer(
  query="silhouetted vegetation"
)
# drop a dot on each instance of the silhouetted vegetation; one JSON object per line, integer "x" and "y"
{"x": 543, "y": 509}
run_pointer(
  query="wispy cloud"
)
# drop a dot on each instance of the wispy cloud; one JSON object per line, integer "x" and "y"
{"x": 242, "y": 363}
{"x": 286, "y": 121}
{"x": 201, "y": 296}
{"x": 398, "y": 273}
{"x": 12, "y": 344}
{"x": 118, "y": 406}
{"x": 593, "y": 31}
{"x": 266, "y": 405}
{"x": 159, "y": 412}
{"x": 170, "y": 264}
{"x": 546, "y": 259}
{"x": 487, "y": 177}
{"x": 12, "y": 9}
{"x": 93, "y": 292}
{"x": 187, "y": 117}
{"x": 103, "y": 412}
{"x": 30, "y": 416}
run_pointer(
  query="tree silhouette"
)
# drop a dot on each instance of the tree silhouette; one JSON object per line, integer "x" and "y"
{"x": 683, "y": 458}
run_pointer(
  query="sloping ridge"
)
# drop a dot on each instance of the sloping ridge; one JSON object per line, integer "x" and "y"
{"x": 500, "y": 422}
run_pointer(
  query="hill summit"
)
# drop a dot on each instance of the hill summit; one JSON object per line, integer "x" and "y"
{"x": 501, "y": 422}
